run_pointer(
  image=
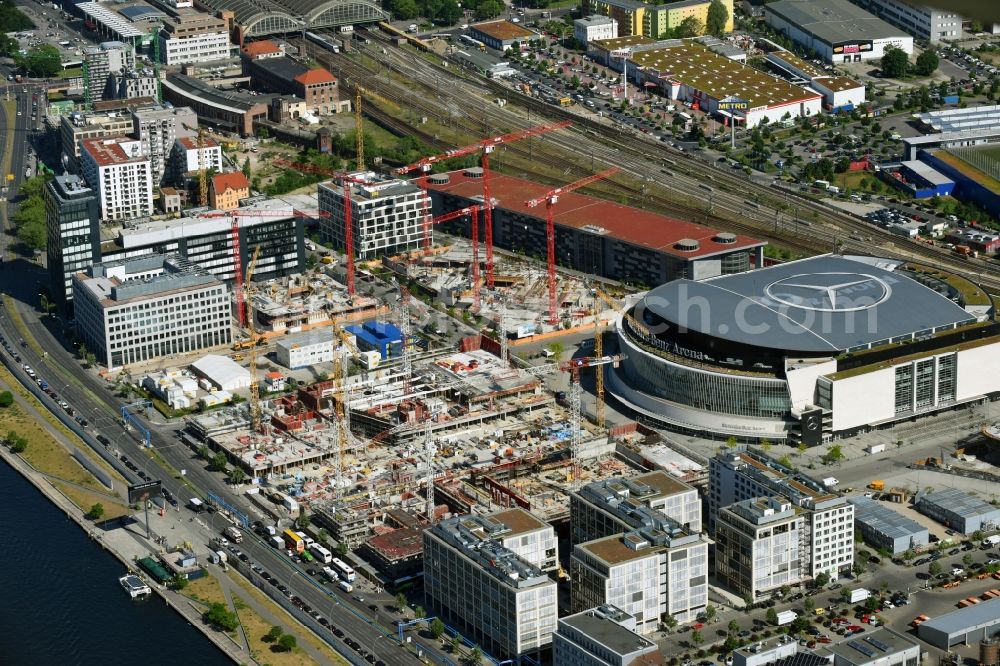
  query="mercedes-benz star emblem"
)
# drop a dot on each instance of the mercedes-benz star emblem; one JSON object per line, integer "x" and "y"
{"x": 829, "y": 292}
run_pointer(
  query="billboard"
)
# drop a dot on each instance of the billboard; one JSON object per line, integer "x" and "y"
{"x": 141, "y": 492}
{"x": 812, "y": 427}
{"x": 852, "y": 47}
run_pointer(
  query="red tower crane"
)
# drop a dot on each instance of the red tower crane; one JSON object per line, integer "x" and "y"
{"x": 486, "y": 146}
{"x": 347, "y": 180}
{"x": 549, "y": 199}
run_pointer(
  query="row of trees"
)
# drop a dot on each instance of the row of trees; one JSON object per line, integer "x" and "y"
{"x": 30, "y": 216}
{"x": 715, "y": 24}
{"x": 895, "y": 64}
{"x": 445, "y": 12}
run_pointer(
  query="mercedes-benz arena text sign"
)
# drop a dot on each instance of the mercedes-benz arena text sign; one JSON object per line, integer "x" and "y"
{"x": 829, "y": 292}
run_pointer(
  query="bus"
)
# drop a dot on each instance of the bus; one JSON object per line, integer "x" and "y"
{"x": 321, "y": 554}
{"x": 473, "y": 42}
{"x": 345, "y": 572}
{"x": 294, "y": 542}
{"x": 66, "y": 45}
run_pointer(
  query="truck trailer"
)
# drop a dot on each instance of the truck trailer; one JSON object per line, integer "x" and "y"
{"x": 859, "y": 594}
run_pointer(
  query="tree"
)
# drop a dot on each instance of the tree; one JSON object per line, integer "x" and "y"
{"x": 287, "y": 642}
{"x": 927, "y": 62}
{"x": 734, "y": 626}
{"x": 96, "y": 512}
{"x": 978, "y": 535}
{"x": 809, "y": 605}
{"x": 833, "y": 454}
{"x": 436, "y": 628}
{"x": 476, "y": 655}
{"x": 341, "y": 549}
{"x": 246, "y": 168}
{"x": 400, "y": 602}
{"x": 689, "y": 27}
{"x": 449, "y": 13}
{"x": 273, "y": 635}
{"x": 871, "y": 603}
{"x": 858, "y": 569}
{"x": 772, "y": 615}
{"x": 967, "y": 559}
{"x": 822, "y": 579}
{"x": 419, "y": 613}
{"x": 456, "y": 643}
{"x": 42, "y": 61}
{"x": 557, "y": 349}
{"x": 221, "y": 617}
{"x": 405, "y": 9}
{"x": 731, "y": 442}
{"x": 204, "y": 452}
{"x": 710, "y": 613}
{"x": 302, "y": 521}
{"x": 697, "y": 638}
{"x": 6, "y": 399}
{"x": 218, "y": 462}
{"x": 16, "y": 443}
{"x": 894, "y": 62}
{"x": 718, "y": 17}
{"x": 670, "y": 622}
{"x": 179, "y": 582}
{"x": 237, "y": 476}
{"x": 488, "y": 9}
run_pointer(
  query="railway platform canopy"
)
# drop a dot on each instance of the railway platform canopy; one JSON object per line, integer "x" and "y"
{"x": 271, "y": 17}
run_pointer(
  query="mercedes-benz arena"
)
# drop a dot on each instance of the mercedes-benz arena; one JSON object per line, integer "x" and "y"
{"x": 807, "y": 350}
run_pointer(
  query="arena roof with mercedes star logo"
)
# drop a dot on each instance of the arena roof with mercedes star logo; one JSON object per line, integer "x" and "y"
{"x": 821, "y": 304}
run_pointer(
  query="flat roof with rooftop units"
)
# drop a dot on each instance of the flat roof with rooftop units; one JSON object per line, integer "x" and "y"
{"x": 883, "y": 527}
{"x": 694, "y": 65}
{"x": 834, "y": 21}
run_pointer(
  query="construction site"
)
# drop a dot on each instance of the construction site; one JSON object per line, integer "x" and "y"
{"x": 397, "y": 434}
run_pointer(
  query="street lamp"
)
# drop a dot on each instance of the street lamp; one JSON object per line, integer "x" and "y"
{"x": 373, "y": 645}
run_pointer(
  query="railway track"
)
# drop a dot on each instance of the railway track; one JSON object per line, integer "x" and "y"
{"x": 735, "y": 203}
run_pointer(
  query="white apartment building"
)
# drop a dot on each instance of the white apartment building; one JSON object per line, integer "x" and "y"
{"x": 648, "y": 573}
{"x": 498, "y": 600}
{"x": 602, "y": 636}
{"x": 72, "y": 231}
{"x": 593, "y": 28}
{"x": 188, "y": 157}
{"x": 136, "y": 311}
{"x": 304, "y": 349}
{"x": 193, "y": 37}
{"x": 158, "y": 130}
{"x": 918, "y": 20}
{"x": 387, "y": 215}
{"x": 122, "y": 176}
{"x": 827, "y": 536}
{"x": 757, "y": 546}
{"x": 600, "y": 509}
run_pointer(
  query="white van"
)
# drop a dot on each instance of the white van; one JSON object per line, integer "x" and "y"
{"x": 345, "y": 586}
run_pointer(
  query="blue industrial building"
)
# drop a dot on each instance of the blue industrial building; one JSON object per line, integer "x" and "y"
{"x": 378, "y": 336}
{"x": 922, "y": 181}
{"x": 967, "y": 188}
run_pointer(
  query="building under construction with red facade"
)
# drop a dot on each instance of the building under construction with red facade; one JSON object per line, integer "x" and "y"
{"x": 593, "y": 235}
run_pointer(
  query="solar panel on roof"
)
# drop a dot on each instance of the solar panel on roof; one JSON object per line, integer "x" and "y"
{"x": 861, "y": 648}
{"x": 877, "y": 643}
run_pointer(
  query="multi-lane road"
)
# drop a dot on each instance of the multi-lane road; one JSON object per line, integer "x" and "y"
{"x": 92, "y": 399}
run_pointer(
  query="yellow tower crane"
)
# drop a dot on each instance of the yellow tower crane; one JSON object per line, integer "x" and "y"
{"x": 342, "y": 344}
{"x": 359, "y": 130}
{"x": 255, "y": 411}
{"x": 599, "y": 350}
{"x": 202, "y": 170}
